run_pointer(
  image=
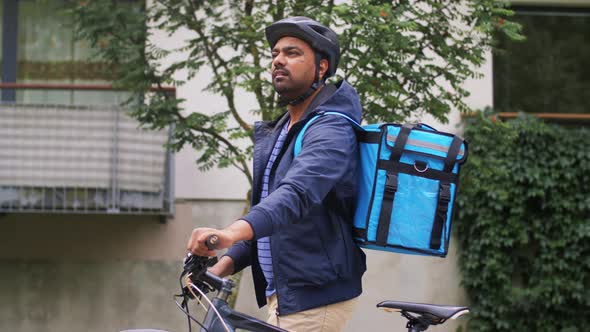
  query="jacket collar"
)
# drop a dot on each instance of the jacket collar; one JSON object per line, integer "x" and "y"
{"x": 325, "y": 93}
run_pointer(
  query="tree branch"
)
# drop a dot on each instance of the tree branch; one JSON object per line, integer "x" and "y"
{"x": 256, "y": 58}
{"x": 222, "y": 139}
{"x": 244, "y": 169}
{"x": 211, "y": 54}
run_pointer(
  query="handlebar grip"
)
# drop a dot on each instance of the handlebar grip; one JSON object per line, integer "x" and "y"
{"x": 212, "y": 242}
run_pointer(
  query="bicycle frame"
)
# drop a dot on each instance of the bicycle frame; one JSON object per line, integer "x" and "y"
{"x": 221, "y": 318}
{"x": 232, "y": 318}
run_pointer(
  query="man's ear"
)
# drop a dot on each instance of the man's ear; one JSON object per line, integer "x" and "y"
{"x": 323, "y": 68}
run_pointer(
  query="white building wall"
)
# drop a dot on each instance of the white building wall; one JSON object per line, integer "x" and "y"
{"x": 481, "y": 96}
{"x": 191, "y": 183}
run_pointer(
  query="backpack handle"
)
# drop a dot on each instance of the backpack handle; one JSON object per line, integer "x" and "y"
{"x": 425, "y": 126}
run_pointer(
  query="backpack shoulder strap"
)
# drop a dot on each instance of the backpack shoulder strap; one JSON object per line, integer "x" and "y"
{"x": 299, "y": 140}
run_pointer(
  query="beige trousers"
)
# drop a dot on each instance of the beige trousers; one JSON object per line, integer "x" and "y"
{"x": 328, "y": 318}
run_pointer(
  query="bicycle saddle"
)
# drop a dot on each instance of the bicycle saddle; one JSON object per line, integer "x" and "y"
{"x": 436, "y": 314}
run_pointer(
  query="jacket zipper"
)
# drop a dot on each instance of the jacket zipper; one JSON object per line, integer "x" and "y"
{"x": 284, "y": 148}
{"x": 277, "y": 312}
{"x": 273, "y": 256}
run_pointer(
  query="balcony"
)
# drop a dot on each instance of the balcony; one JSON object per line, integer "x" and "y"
{"x": 73, "y": 158}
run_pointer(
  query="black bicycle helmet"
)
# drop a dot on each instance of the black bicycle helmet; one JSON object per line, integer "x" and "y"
{"x": 322, "y": 40}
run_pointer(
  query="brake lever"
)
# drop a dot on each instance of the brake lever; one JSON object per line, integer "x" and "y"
{"x": 195, "y": 267}
{"x": 203, "y": 286}
{"x": 191, "y": 262}
{"x": 198, "y": 264}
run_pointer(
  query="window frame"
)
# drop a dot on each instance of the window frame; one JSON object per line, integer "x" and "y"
{"x": 547, "y": 10}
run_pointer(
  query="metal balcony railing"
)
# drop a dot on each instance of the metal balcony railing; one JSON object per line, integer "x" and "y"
{"x": 81, "y": 158}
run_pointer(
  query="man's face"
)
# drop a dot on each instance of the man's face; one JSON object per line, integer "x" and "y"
{"x": 293, "y": 67}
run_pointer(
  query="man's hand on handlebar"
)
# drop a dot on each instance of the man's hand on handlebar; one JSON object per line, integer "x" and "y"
{"x": 222, "y": 239}
{"x": 197, "y": 242}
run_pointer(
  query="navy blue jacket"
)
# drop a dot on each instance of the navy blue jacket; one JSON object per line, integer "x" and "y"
{"x": 309, "y": 210}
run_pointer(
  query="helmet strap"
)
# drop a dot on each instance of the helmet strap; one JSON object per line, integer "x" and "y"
{"x": 317, "y": 83}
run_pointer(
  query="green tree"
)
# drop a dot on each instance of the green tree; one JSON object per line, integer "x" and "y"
{"x": 404, "y": 57}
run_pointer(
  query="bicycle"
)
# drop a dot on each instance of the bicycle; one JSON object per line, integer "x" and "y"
{"x": 220, "y": 317}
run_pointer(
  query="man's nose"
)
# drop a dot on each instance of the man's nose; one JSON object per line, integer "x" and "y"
{"x": 278, "y": 61}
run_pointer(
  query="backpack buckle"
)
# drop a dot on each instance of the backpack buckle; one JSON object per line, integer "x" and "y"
{"x": 444, "y": 193}
{"x": 390, "y": 186}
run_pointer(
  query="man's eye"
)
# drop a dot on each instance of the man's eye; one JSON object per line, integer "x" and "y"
{"x": 274, "y": 54}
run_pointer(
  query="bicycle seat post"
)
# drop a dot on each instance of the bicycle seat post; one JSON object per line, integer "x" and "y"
{"x": 416, "y": 326}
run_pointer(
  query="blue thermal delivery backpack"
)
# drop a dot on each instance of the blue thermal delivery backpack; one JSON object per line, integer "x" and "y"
{"x": 407, "y": 186}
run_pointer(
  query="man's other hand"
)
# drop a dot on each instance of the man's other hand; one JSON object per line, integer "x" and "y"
{"x": 238, "y": 231}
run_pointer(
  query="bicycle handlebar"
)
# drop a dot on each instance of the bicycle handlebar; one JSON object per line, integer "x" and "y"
{"x": 196, "y": 267}
{"x": 219, "y": 313}
{"x": 212, "y": 242}
{"x": 213, "y": 280}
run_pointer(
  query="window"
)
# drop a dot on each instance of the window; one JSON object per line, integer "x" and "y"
{"x": 64, "y": 147}
{"x": 40, "y": 48}
{"x": 549, "y": 72}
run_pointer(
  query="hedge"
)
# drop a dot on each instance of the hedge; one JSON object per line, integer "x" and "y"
{"x": 523, "y": 225}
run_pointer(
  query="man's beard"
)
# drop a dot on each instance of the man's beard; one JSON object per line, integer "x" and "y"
{"x": 291, "y": 89}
